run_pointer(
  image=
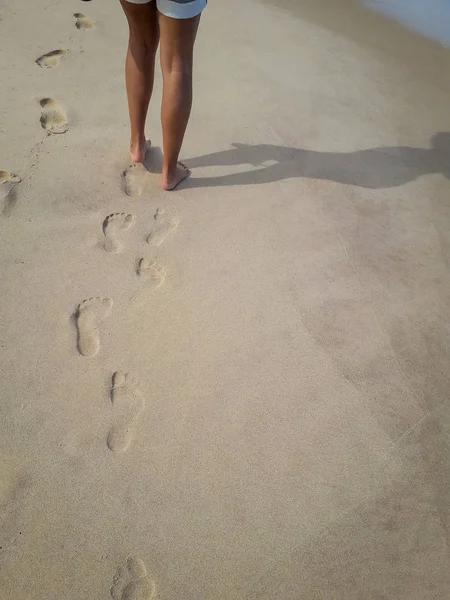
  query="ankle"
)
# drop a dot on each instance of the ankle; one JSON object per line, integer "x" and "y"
{"x": 170, "y": 168}
{"x": 138, "y": 147}
{"x": 137, "y": 141}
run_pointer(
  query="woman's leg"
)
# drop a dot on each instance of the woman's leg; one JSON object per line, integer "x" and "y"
{"x": 140, "y": 69}
{"x": 177, "y": 45}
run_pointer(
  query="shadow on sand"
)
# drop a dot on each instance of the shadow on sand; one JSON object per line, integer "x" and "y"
{"x": 372, "y": 168}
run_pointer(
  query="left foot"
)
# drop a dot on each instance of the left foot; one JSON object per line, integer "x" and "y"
{"x": 138, "y": 150}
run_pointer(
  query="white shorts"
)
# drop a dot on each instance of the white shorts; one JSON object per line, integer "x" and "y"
{"x": 177, "y": 9}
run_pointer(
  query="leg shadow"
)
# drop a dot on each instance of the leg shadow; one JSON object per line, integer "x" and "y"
{"x": 372, "y": 168}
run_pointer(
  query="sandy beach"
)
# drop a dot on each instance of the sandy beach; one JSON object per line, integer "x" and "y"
{"x": 239, "y": 390}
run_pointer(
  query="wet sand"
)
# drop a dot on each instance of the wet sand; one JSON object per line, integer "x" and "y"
{"x": 238, "y": 391}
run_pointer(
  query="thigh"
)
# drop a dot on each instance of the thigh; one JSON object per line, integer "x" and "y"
{"x": 177, "y": 41}
{"x": 143, "y": 20}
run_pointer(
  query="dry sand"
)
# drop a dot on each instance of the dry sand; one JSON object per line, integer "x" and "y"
{"x": 239, "y": 391}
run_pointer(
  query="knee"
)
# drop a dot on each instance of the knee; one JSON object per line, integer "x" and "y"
{"x": 177, "y": 68}
{"x": 140, "y": 41}
{"x": 142, "y": 47}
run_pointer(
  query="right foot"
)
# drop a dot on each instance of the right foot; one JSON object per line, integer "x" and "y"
{"x": 171, "y": 180}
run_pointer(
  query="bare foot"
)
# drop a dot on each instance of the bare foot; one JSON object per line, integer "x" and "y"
{"x": 171, "y": 180}
{"x": 138, "y": 150}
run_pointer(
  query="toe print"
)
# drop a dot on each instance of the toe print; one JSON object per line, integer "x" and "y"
{"x": 53, "y": 116}
{"x": 164, "y": 224}
{"x": 83, "y": 22}
{"x": 113, "y": 227}
{"x": 132, "y": 582}
{"x": 90, "y": 313}
{"x": 127, "y": 404}
{"x": 51, "y": 59}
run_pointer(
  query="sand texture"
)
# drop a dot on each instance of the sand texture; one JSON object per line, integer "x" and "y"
{"x": 238, "y": 390}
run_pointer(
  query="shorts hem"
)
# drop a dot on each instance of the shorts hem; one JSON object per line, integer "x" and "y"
{"x": 176, "y": 10}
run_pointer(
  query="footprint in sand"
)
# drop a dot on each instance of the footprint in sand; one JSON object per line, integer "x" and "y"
{"x": 163, "y": 226}
{"x": 127, "y": 403}
{"x": 15, "y": 486}
{"x": 154, "y": 274}
{"x": 51, "y": 59}
{"x": 83, "y": 22}
{"x": 89, "y": 314}
{"x": 134, "y": 179}
{"x": 152, "y": 271}
{"x": 113, "y": 226}
{"x": 53, "y": 117}
{"x": 8, "y": 196}
{"x": 132, "y": 582}
{"x": 7, "y": 177}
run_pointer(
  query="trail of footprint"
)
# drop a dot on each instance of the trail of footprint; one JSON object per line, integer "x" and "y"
{"x": 127, "y": 403}
{"x": 134, "y": 179}
{"x": 163, "y": 226}
{"x": 132, "y": 582}
{"x": 89, "y": 314}
{"x": 83, "y": 22}
{"x": 151, "y": 270}
{"x": 51, "y": 59}
{"x": 53, "y": 117}
{"x": 113, "y": 226}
